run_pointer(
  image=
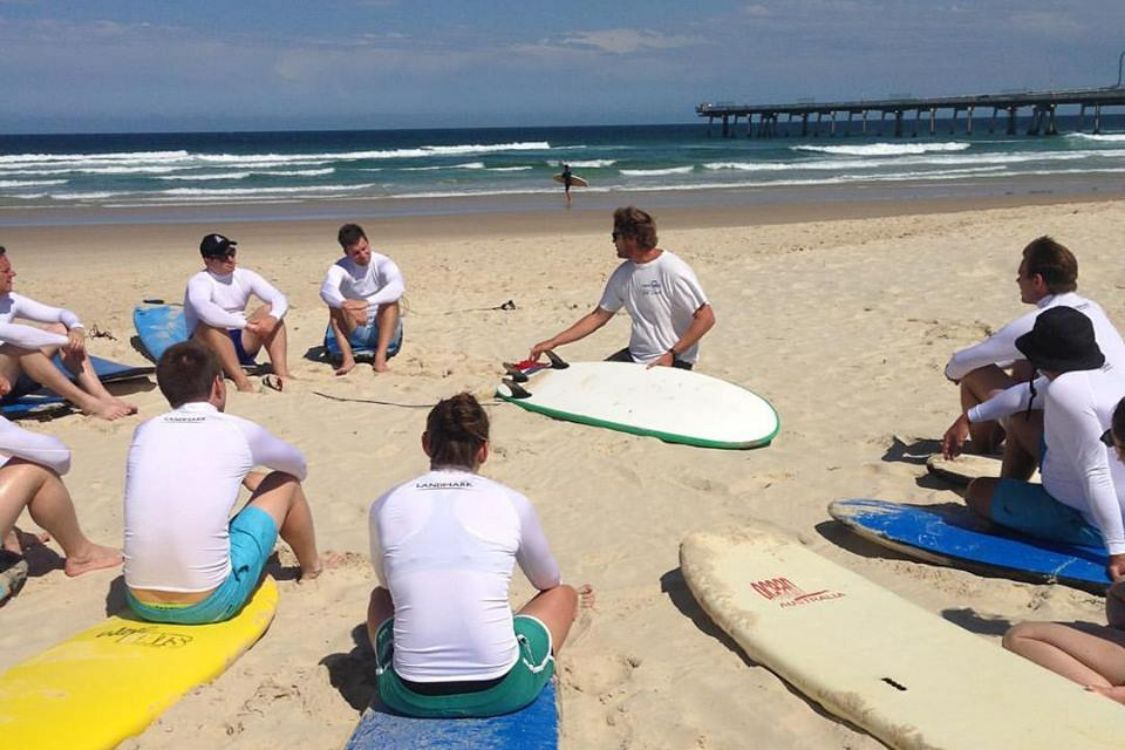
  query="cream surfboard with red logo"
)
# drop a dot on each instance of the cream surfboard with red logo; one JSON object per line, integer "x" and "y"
{"x": 904, "y": 674}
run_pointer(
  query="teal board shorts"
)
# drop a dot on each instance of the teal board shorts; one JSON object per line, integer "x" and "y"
{"x": 517, "y": 689}
{"x": 1029, "y": 508}
{"x": 253, "y": 534}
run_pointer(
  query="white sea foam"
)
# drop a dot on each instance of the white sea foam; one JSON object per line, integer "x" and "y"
{"x": 204, "y": 177}
{"x": 246, "y": 192}
{"x": 884, "y": 149}
{"x": 128, "y": 156}
{"x": 30, "y": 183}
{"x": 509, "y": 169}
{"x": 592, "y": 164}
{"x": 657, "y": 172}
{"x": 1101, "y": 137}
{"x": 301, "y": 172}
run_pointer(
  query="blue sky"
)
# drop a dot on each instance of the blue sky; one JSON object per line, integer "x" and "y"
{"x": 130, "y": 65}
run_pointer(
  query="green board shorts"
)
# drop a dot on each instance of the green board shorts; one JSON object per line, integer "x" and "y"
{"x": 519, "y": 688}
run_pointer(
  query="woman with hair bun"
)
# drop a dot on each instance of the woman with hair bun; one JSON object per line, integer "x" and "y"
{"x": 443, "y": 546}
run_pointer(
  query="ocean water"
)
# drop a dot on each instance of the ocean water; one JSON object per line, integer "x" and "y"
{"x": 137, "y": 171}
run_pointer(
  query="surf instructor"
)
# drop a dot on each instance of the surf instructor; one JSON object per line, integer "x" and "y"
{"x": 670, "y": 312}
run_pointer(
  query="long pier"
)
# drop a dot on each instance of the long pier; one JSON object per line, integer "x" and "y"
{"x": 812, "y": 115}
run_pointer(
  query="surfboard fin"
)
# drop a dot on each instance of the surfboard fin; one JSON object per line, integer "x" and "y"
{"x": 515, "y": 372}
{"x": 517, "y": 391}
{"x": 557, "y": 362}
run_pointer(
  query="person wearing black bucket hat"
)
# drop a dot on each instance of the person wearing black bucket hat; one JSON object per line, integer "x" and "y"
{"x": 1047, "y": 277}
{"x": 215, "y": 314}
{"x": 1082, "y": 496}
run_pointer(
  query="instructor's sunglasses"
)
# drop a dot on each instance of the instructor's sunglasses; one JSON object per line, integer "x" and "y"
{"x": 1107, "y": 437}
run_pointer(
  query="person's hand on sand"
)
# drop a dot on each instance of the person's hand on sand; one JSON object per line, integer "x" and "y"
{"x": 585, "y": 596}
{"x": 345, "y": 367}
{"x": 954, "y": 438}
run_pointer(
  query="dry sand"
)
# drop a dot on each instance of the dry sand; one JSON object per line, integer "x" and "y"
{"x": 844, "y": 325}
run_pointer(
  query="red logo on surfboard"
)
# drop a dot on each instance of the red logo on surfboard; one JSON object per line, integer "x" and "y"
{"x": 791, "y": 595}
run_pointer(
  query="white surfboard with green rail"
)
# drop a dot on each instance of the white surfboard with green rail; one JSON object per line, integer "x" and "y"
{"x": 677, "y": 406}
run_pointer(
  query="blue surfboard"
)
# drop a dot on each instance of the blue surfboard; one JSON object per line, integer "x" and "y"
{"x": 158, "y": 327}
{"x": 954, "y": 536}
{"x": 533, "y": 728}
{"x": 332, "y": 346}
{"x": 43, "y": 402}
{"x": 34, "y": 405}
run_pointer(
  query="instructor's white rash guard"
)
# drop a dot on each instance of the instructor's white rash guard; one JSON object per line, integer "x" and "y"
{"x": 1078, "y": 469}
{"x": 220, "y": 301}
{"x": 14, "y": 305}
{"x": 1000, "y": 347}
{"x": 378, "y": 283}
{"x": 182, "y": 479}
{"x": 444, "y": 544}
{"x": 45, "y": 450}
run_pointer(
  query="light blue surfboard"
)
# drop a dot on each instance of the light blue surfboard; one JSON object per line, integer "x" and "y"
{"x": 954, "y": 536}
{"x": 533, "y": 728}
{"x": 158, "y": 327}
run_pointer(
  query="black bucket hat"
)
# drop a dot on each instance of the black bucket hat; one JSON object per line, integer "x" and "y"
{"x": 1062, "y": 340}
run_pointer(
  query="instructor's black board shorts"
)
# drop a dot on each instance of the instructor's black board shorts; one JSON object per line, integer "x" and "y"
{"x": 625, "y": 356}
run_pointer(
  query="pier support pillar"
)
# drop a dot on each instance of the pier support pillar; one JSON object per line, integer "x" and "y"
{"x": 726, "y": 127}
{"x": 816, "y": 127}
{"x": 992, "y": 122}
{"x": 804, "y": 124}
{"x": 848, "y": 128}
{"x": 1097, "y": 119}
{"x": 933, "y": 120}
{"x": 863, "y": 125}
{"x": 898, "y": 123}
{"x": 1051, "y": 129}
{"x": 917, "y": 119}
{"x": 1012, "y": 120}
{"x": 1082, "y": 118}
{"x": 969, "y": 121}
{"x": 953, "y": 121}
{"x": 832, "y": 127}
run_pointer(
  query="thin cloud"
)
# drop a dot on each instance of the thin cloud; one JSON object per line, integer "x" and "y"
{"x": 628, "y": 41}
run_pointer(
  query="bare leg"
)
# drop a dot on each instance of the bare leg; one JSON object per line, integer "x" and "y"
{"x": 387, "y": 321}
{"x": 1021, "y": 449}
{"x": 1090, "y": 655}
{"x": 276, "y": 341}
{"x": 977, "y": 387}
{"x": 556, "y": 608}
{"x": 83, "y": 370}
{"x": 979, "y": 495}
{"x": 218, "y": 340}
{"x": 343, "y": 325}
{"x": 379, "y": 609}
{"x": 39, "y": 489}
{"x": 281, "y": 496}
{"x": 42, "y": 370}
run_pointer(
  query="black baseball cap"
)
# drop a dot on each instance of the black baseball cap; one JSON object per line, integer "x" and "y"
{"x": 216, "y": 246}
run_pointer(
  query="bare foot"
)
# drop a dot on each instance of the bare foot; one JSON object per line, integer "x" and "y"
{"x": 585, "y": 596}
{"x": 380, "y": 364}
{"x": 327, "y": 561}
{"x": 110, "y": 410}
{"x": 94, "y": 557}
{"x": 131, "y": 407}
{"x": 345, "y": 367}
{"x": 245, "y": 386}
{"x": 12, "y": 543}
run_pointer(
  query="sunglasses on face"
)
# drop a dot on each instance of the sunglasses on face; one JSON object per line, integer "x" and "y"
{"x": 1107, "y": 438}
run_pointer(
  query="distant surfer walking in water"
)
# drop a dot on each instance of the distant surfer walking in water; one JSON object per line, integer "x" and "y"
{"x": 670, "y": 312}
{"x": 568, "y": 181}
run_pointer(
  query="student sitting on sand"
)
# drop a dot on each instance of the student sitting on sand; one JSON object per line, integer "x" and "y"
{"x": 362, "y": 291}
{"x": 30, "y": 469}
{"x": 1083, "y": 491}
{"x": 443, "y": 547}
{"x": 1047, "y": 277}
{"x": 26, "y": 352}
{"x": 670, "y": 312}
{"x": 184, "y": 562}
{"x": 215, "y": 314}
{"x": 1091, "y": 655}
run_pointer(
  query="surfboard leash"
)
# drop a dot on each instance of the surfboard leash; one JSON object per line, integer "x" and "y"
{"x": 349, "y": 399}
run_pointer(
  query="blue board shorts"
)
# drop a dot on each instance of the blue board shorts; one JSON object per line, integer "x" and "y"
{"x": 365, "y": 337}
{"x": 244, "y": 357}
{"x": 517, "y": 689}
{"x": 1029, "y": 508}
{"x": 253, "y": 534}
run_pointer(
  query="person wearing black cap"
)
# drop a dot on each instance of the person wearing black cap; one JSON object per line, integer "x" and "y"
{"x": 1047, "y": 277}
{"x": 1083, "y": 492}
{"x": 215, "y": 314}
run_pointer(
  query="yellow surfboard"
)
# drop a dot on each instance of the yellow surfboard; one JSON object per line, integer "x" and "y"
{"x": 109, "y": 682}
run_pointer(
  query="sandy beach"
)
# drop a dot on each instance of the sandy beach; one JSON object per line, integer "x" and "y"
{"x": 842, "y": 317}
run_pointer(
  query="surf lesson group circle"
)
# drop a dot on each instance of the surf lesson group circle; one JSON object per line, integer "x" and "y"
{"x": 1047, "y": 389}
